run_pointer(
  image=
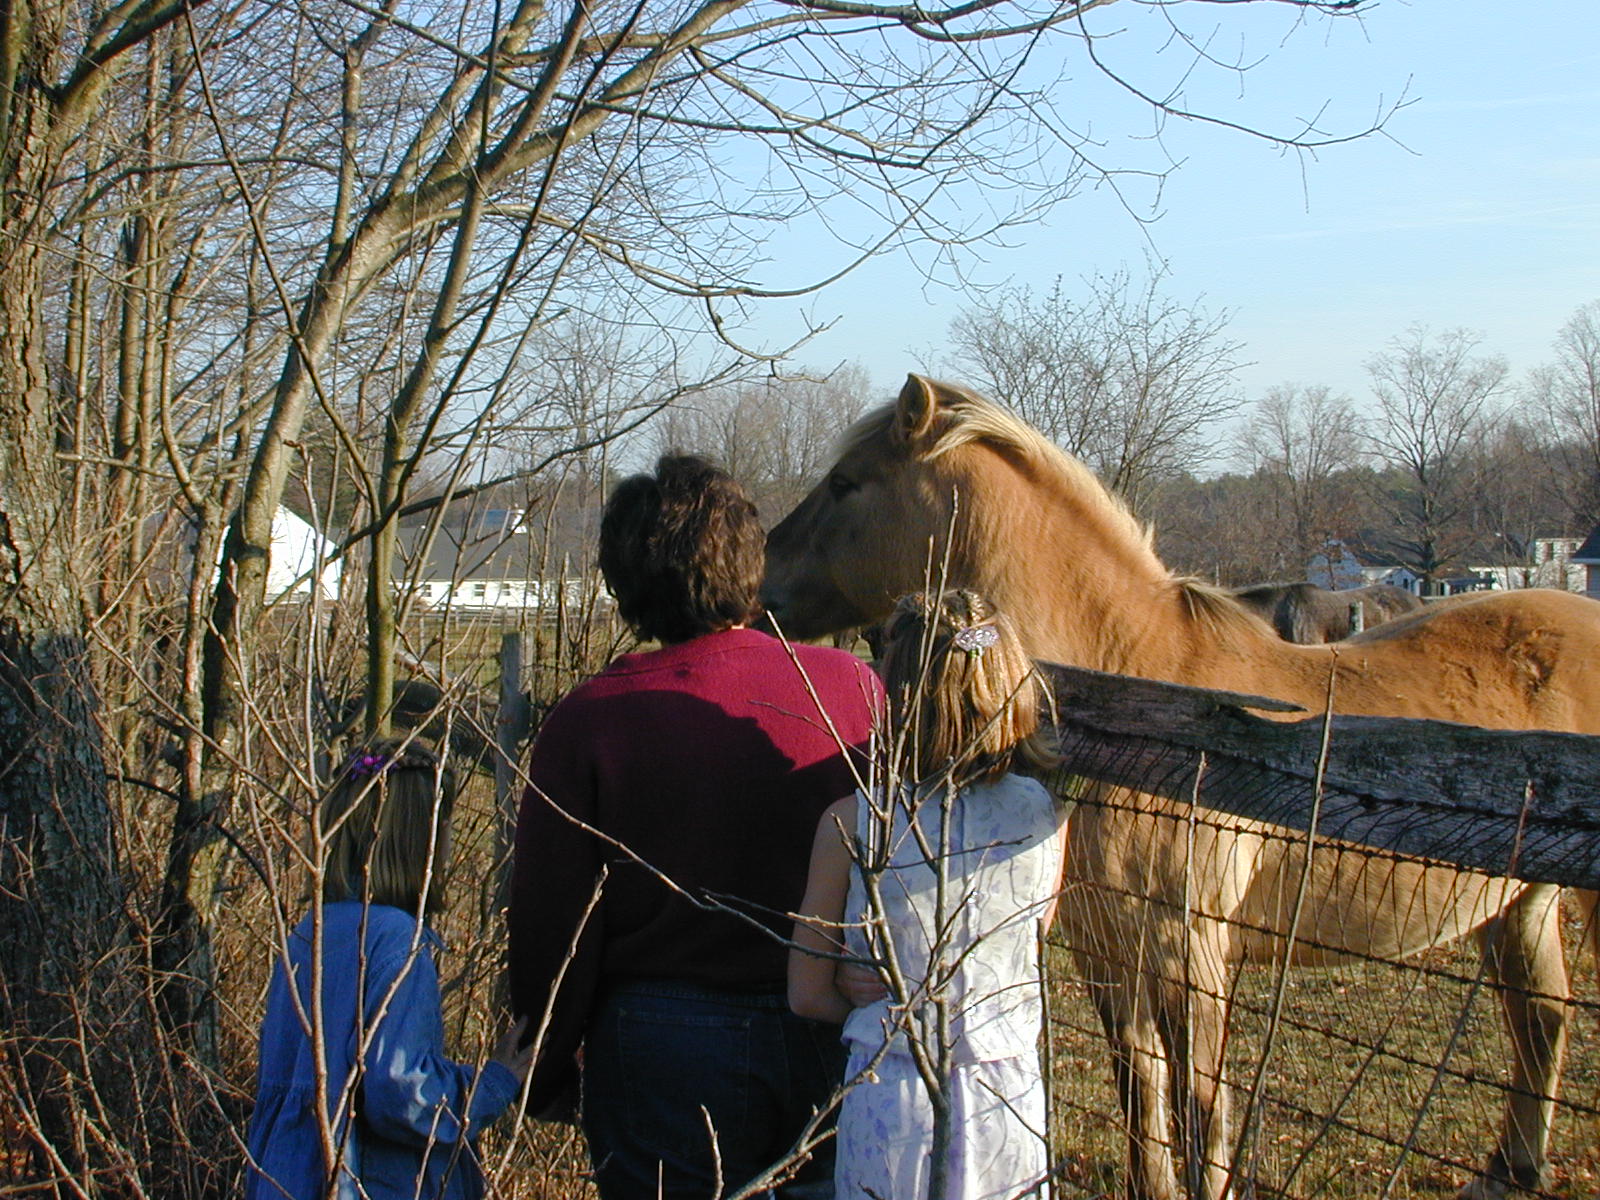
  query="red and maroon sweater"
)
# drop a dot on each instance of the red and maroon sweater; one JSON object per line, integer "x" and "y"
{"x": 710, "y": 761}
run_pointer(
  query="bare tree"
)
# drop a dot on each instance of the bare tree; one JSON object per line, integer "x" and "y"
{"x": 1212, "y": 528}
{"x": 252, "y": 244}
{"x": 1566, "y": 394}
{"x": 1435, "y": 400}
{"x": 1131, "y": 381}
{"x": 1297, "y": 442}
{"x": 65, "y": 932}
{"x": 1517, "y": 497}
{"x": 775, "y": 435}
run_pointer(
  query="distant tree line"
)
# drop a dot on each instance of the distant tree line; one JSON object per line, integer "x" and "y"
{"x": 1447, "y": 463}
{"x": 1450, "y": 465}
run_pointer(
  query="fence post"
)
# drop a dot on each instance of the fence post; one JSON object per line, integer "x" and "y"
{"x": 511, "y": 727}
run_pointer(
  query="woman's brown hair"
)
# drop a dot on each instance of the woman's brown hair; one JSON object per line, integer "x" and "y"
{"x": 682, "y": 550}
{"x": 962, "y": 690}
{"x": 384, "y": 821}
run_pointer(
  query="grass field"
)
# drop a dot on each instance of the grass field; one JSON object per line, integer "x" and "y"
{"x": 1383, "y": 1079}
{"x": 1356, "y": 1060}
{"x": 1369, "y": 1090}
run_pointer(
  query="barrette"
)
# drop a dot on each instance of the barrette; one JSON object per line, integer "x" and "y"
{"x": 975, "y": 639}
{"x": 365, "y": 766}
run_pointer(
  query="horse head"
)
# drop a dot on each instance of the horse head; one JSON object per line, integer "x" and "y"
{"x": 829, "y": 564}
{"x": 943, "y": 488}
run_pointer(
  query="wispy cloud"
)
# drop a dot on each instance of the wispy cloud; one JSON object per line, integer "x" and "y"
{"x": 1579, "y": 167}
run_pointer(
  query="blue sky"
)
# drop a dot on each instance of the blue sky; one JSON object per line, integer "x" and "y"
{"x": 1478, "y": 206}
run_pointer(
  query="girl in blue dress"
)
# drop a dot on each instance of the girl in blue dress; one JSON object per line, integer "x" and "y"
{"x": 355, "y": 1096}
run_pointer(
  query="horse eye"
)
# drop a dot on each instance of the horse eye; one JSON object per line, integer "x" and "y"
{"x": 840, "y": 486}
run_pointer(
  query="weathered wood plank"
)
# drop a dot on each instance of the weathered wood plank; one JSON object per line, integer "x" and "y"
{"x": 1518, "y": 803}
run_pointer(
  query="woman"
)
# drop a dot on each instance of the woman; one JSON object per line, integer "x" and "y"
{"x": 662, "y": 850}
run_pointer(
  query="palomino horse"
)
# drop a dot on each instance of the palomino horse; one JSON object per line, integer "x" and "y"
{"x": 1164, "y": 908}
{"x": 1304, "y": 612}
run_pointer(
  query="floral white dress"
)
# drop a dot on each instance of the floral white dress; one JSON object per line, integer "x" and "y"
{"x": 1000, "y": 870}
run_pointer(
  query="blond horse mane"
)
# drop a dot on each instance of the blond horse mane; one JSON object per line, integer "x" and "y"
{"x": 1212, "y": 608}
{"x": 969, "y": 418}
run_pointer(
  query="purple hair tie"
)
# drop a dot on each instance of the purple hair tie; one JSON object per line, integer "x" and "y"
{"x": 367, "y": 766}
{"x": 975, "y": 639}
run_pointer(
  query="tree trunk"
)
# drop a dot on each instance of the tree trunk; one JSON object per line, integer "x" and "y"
{"x": 62, "y": 893}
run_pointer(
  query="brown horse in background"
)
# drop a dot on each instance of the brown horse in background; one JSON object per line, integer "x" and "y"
{"x": 1308, "y": 614}
{"x": 1162, "y": 910}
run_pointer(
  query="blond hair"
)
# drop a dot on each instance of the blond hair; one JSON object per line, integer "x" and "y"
{"x": 966, "y": 713}
{"x": 384, "y": 821}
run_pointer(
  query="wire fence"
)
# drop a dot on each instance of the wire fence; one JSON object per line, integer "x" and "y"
{"x": 1389, "y": 1067}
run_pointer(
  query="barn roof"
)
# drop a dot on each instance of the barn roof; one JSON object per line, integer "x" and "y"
{"x": 494, "y": 546}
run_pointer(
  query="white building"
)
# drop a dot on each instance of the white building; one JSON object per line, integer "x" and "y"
{"x": 1550, "y": 562}
{"x": 1587, "y": 559}
{"x": 298, "y": 555}
{"x": 488, "y": 561}
{"x": 1551, "y": 565}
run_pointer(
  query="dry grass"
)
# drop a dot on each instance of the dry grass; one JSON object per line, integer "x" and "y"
{"x": 1362, "y": 1049}
{"x": 1356, "y": 1057}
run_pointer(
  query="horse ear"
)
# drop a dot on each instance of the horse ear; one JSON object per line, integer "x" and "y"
{"x": 915, "y": 409}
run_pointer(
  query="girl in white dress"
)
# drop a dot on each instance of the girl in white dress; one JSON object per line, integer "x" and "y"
{"x": 940, "y": 875}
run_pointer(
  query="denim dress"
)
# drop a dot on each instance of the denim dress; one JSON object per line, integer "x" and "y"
{"x": 401, "y": 1117}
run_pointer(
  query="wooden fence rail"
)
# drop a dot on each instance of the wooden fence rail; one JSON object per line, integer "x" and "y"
{"x": 1523, "y": 804}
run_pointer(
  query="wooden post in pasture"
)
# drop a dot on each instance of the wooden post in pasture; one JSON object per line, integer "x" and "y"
{"x": 512, "y": 719}
{"x": 1501, "y": 802}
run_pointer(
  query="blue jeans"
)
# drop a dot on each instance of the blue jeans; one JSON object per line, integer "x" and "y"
{"x": 658, "y": 1053}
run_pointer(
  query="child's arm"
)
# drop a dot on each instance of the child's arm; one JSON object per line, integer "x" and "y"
{"x": 1062, "y": 811}
{"x": 812, "y": 991}
{"x": 410, "y": 1091}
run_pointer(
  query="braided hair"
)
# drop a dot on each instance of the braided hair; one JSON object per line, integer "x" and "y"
{"x": 383, "y": 820}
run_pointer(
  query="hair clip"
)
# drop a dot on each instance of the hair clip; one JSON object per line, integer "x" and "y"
{"x": 975, "y": 639}
{"x": 366, "y": 766}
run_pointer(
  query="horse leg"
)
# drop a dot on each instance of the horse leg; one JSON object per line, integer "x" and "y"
{"x": 1139, "y": 1069}
{"x": 1589, "y": 908}
{"x": 1522, "y": 952}
{"x": 1194, "y": 1023}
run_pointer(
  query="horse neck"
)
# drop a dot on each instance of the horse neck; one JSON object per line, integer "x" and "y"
{"x": 1082, "y": 586}
{"x": 1086, "y": 589}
